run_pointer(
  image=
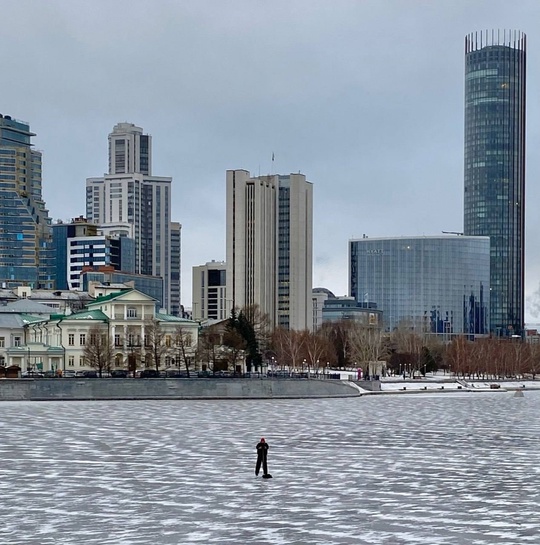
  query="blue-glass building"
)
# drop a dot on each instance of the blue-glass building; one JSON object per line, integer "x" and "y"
{"x": 26, "y": 254}
{"x": 436, "y": 284}
{"x": 152, "y": 286}
{"x": 495, "y": 166}
{"x": 79, "y": 247}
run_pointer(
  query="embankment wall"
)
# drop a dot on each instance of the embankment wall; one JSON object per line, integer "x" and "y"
{"x": 206, "y": 388}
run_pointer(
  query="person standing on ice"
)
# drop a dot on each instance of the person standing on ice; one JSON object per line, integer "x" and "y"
{"x": 262, "y": 453}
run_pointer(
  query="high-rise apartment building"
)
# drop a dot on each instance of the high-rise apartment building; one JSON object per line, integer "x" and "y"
{"x": 176, "y": 264}
{"x": 269, "y": 246}
{"x": 130, "y": 193}
{"x": 495, "y": 166}
{"x": 26, "y": 255}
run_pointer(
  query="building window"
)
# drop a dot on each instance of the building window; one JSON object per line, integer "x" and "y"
{"x": 2, "y": 342}
{"x": 16, "y": 341}
{"x": 117, "y": 340}
{"x": 71, "y": 339}
{"x": 71, "y": 361}
{"x": 82, "y": 339}
{"x": 81, "y": 361}
{"x": 132, "y": 312}
{"x": 168, "y": 340}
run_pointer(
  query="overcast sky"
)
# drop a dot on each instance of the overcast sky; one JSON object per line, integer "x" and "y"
{"x": 363, "y": 97}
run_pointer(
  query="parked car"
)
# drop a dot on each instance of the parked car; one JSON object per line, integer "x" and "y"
{"x": 175, "y": 373}
{"x": 90, "y": 374}
{"x": 119, "y": 373}
{"x": 149, "y": 373}
{"x": 204, "y": 374}
{"x": 32, "y": 374}
{"x": 68, "y": 373}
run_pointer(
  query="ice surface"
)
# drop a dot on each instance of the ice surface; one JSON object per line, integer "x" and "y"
{"x": 389, "y": 470}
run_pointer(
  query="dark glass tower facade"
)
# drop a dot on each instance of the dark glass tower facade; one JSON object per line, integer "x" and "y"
{"x": 494, "y": 188}
{"x": 26, "y": 254}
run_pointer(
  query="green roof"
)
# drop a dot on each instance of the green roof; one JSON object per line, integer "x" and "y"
{"x": 109, "y": 297}
{"x": 170, "y": 318}
{"x": 95, "y": 315}
{"x": 29, "y": 319}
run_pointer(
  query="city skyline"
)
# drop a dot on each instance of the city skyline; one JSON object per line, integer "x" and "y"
{"x": 365, "y": 99}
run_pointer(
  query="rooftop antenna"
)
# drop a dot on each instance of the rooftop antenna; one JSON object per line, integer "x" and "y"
{"x": 452, "y": 233}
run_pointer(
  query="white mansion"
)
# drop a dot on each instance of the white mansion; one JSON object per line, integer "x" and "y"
{"x": 129, "y": 319}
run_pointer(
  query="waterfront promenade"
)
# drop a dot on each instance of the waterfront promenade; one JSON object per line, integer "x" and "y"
{"x": 81, "y": 389}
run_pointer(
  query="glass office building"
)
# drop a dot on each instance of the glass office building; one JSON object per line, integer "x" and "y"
{"x": 153, "y": 286}
{"x": 26, "y": 254}
{"x": 495, "y": 166}
{"x": 436, "y": 285}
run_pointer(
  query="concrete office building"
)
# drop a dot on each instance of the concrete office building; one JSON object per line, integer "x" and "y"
{"x": 494, "y": 189}
{"x": 269, "y": 246}
{"x": 78, "y": 246}
{"x": 96, "y": 280}
{"x": 318, "y": 297}
{"x": 210, "y": 292}
{"x": 348, "y": 309}
{"x": 130, "y": 193}
{"x": 437, "y": 284}
{"x": 26, "y": 255}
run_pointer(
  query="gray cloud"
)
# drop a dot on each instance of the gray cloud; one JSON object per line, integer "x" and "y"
{"x": 365, "y": 98}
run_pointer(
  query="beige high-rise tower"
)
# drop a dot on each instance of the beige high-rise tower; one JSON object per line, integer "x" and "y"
{"x": 270, "y": 246}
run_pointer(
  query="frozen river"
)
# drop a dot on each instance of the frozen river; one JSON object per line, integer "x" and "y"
{"x": 405, "y": 469}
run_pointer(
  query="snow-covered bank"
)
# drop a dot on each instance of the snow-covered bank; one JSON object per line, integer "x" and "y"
{"x": 447, "y": 385}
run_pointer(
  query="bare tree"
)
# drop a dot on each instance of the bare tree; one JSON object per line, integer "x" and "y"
{"x": 208, "y": 348}
{"x": 289, "y": 346}
{"x": 183, "y": 343}
{"x": 133, "y": 348}
{"x": 368, "y": 346}
{"x": 316, "y": 348}
{"x": 534, "y": 361}
{"x": 236, "y": 346}
{"x": 337, "y": 334}
{"x": 155, "y": 342}
{"x": 98, "y": 350}
{"x": 407, "y": 341}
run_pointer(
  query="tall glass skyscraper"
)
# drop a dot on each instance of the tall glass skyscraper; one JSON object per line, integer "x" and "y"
{"x": 26, "y": 254}
{"x": 495, "y": 166}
